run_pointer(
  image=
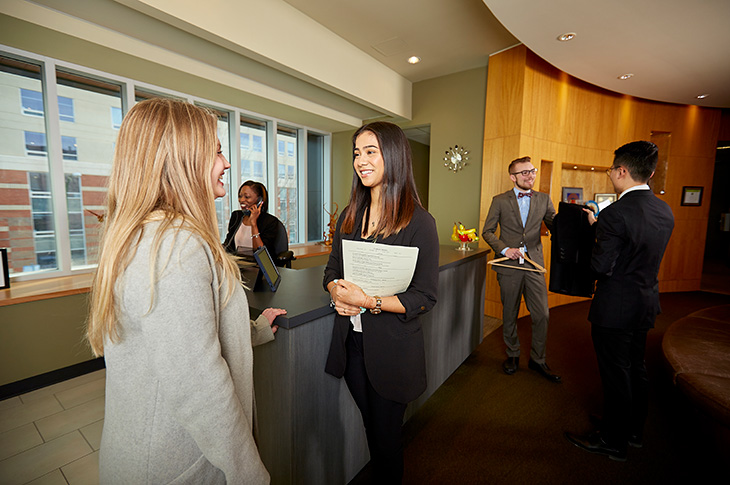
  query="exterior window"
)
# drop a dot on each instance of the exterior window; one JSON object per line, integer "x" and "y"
{"x": 35, "y": 144}
{"x": 258, "y": 170}
{"x": 44, "y": 235}
{"x": 253, "y": 155}
{"x": 68, "y": 143}
{"x": 86, "y": 175}
{"x": 116, "y": 117}
{"x": 257, "y": 147}
{"x": 32, "y": 102}
{"x": 315, "y": 187}
{"x": 66, "y": 108}
{"x": 287, "y": 190}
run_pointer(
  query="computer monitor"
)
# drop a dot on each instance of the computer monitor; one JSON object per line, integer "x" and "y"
{"x": 267, "y": 268}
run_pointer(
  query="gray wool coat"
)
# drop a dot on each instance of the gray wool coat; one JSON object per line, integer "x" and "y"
{"x": 179, "y": 383}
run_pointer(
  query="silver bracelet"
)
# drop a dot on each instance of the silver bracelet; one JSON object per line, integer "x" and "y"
{"x": 258, "y": 234}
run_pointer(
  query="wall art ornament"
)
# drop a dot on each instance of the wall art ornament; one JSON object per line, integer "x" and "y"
{"x": 456, "y": 158}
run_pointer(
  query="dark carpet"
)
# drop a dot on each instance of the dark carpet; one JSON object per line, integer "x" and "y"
{"x": 483, "y": 426}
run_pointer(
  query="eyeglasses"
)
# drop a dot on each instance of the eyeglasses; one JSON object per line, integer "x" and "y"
{"x": 525, "y": 173}
{"x": 608, "y": 172}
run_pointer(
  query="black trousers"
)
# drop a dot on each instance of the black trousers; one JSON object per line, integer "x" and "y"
{"x": 383, "y": 418}
{"x": 620, "y": 353}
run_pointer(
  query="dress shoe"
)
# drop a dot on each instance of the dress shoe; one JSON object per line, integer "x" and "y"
{"x": 510, "y": 365}
{"x": 635, "y": 439}
{"x": 544, "y": 371}
{"x": 593, "y": 443}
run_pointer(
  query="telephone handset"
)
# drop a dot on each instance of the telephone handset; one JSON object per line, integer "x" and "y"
{"x": 259, "y": 202}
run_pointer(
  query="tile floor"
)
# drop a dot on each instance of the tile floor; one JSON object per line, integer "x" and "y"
{"x": 51, "y": 436}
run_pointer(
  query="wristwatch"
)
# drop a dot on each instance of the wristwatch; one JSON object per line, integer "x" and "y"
{"x": 378, "y": 303}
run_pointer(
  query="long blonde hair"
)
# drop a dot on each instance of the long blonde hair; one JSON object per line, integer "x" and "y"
{"x": 163, "y": 161}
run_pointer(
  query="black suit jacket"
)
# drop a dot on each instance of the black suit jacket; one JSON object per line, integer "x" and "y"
{"x": 392, "y": 343}
{"x": 631, "y": 237}
{"x": 273, "y": 234}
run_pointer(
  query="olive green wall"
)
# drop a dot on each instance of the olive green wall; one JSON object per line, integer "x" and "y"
{"x": 453, "y": 106}
{"x": 38, "y": 40}
{"x": 421, "y": 167}
{"x": 42, "y": 336}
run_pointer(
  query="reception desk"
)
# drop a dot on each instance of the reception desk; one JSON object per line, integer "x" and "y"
{"x": 309, "y": 428}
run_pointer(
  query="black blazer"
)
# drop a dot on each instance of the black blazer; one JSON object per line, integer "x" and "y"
{"x": 273, "y": 234}
{"x": 392, "y": 343}
{"x": 631, "y": 237}
{"x": 572, "y": 247}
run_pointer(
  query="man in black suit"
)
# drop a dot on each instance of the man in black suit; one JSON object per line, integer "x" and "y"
{"x": 631, "y": 237}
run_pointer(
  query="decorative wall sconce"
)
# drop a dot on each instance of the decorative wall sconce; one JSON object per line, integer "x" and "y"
{"x": 456, "y": 158}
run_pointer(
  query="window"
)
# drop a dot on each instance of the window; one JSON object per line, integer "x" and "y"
{"x": 32, "y": 102}
{"x": 68, "y": 143}
{"x": 253, "y": 156}
{"x": 85, "y": 173}
{"x": 79, "y": 147}
{"x": 116, "y": 117}
{"x": 286, "y": 188}
{"x": 35, "y": 144}
{"x": 65, "y": 108}
{"x": 315, "y": 187}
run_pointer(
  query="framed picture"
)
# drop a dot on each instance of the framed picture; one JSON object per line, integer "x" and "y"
{"x": 692, "y": 195}
{"x": 4, "y": 274}
{"x": 605, "y": 197}
{"x": 572, "y": 195}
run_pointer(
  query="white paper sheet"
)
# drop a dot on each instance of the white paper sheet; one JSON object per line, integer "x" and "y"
{"x": 379, "y": 269}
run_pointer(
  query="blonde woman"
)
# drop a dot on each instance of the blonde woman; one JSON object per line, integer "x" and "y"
{"x": 168, "y": 312}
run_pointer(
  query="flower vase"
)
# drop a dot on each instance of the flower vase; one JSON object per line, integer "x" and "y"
{"x": 463, "y": 246}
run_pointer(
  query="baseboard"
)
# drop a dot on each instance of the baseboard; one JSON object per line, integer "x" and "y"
{"x": 36, "y": 382}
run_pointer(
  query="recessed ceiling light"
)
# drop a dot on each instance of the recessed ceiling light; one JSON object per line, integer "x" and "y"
{"x": 566, "y": 36}
{"x": 626, "y": 76}
{"x": 702, "y": 96}
{"x": 414, "y": 60}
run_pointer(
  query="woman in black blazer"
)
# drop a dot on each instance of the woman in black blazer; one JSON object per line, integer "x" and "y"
{"x": 377, "y": 342}
{"x": 253, "y": 226}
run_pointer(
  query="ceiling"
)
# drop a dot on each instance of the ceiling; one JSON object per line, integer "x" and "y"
{"x": 675, "y": 49}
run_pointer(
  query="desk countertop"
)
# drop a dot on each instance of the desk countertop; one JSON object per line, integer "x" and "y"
{"x": 302, "y": 295}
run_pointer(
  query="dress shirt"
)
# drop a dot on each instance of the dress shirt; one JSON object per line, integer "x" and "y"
{"x": 635, "y": 187}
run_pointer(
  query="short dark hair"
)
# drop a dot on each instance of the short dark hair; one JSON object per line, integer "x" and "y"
{"x": 639, "y": 158}
{"x": 260, "y": 190}
{"x": 516, "y": 161}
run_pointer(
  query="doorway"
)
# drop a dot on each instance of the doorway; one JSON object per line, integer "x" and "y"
{"x": 716, "y": 265}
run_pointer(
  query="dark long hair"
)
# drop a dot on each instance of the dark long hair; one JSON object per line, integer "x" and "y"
{"x": 260, "y": 190}
{"x": 399, "y": 196}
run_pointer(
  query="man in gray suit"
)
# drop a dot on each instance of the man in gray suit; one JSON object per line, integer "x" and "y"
{"x": 519, "y": 213}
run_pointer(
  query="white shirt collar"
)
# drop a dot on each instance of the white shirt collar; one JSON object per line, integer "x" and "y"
{"x": 635, "y": 187}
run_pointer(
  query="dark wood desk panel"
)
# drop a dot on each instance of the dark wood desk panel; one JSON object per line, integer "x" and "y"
{"x": 309, "y": 428}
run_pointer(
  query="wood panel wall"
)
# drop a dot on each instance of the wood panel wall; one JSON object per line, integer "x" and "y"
{"x": 536, "y": 110}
